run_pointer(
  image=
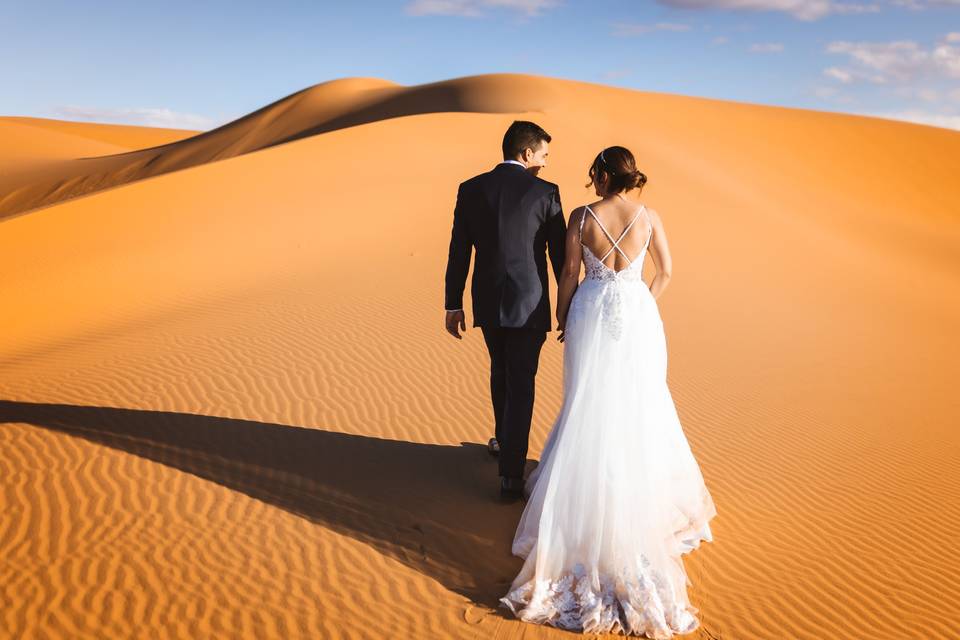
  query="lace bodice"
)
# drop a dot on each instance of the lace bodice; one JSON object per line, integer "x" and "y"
{"x": 594, "y": 266}
{"x": 596, "y": 270}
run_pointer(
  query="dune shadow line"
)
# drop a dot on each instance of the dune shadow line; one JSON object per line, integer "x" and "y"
{"x": 431, "y": 507}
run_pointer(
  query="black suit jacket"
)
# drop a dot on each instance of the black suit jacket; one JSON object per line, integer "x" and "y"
{"x": 512, "y": 218}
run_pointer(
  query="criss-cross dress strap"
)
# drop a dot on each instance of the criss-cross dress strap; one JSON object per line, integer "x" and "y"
{"x": 616, "y": 243}
{"x": 649, "y": 224}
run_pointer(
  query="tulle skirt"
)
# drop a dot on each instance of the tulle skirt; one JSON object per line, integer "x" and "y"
{"x": 617, "y": 497}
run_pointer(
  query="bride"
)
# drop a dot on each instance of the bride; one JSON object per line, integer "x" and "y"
{"x": 617, "y": 497}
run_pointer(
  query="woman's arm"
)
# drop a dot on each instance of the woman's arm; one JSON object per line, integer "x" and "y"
{"x": 660, "y": 254}
{"x": 570, "y": 277}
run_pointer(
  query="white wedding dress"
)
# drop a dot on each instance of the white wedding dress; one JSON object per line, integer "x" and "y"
{"x": 617, "y": 497}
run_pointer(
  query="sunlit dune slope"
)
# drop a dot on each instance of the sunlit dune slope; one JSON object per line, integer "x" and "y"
{"x": 121, "y": 136}
{"x": 40, "y": 148}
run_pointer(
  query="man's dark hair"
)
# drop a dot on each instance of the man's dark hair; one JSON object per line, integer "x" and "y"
{"x": 520, "y": 135}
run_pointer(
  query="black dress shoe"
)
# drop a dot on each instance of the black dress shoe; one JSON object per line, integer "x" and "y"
{"x": 511, "y": 489}
{"x": 493, "y": 447}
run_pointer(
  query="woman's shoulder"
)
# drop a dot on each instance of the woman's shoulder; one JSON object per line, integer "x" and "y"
{"x": 582, "y": 209}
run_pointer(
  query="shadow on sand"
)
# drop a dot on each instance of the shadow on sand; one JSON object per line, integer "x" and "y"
{"x": 432, "y": 507}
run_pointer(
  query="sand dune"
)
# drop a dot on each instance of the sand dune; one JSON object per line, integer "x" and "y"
{"x": 319, "y": 109}
{"x": 120, "y": 137}
{"x": 229, "y": 408}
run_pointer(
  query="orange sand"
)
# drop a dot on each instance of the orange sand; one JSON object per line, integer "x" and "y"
{"x": 229, "y": 407}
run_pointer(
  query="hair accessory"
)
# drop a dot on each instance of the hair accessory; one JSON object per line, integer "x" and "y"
{"x": 605, "y": 162}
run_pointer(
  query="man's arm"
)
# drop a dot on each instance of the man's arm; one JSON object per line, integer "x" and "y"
{"x": 556, "y": 234}
{"x": 458, "y": 257}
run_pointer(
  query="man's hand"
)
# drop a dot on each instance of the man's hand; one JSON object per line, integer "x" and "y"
{"x": 561, "y": 327}
{"x": 454, "y": 318}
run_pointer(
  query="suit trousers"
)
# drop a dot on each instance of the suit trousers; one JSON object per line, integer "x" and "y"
{"x": 514, "y": 358}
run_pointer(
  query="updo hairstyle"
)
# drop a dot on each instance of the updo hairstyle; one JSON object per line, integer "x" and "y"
{"x": 618, "y": 163}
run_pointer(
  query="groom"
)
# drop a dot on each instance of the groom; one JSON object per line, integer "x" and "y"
{"x": 512, "y": 218}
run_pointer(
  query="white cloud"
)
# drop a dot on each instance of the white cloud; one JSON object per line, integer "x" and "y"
{"x": 476, "y": 8}
{"x": 922, "y": 77}
{"x": 142, "y": 116}
{"x": 766, "y": 47}
{"x": 946, "y": 56}
{"x": 800, "y": 9}
{"x": 947, "y": 121}
{"x": 925, "y": 94}
{"x": 854, "y": 8}
{"x": 833, "y": 94}
{"x": 901, "y": 61}
{"x": 808, "y": 9}
{"x": 631, "y": 29}
{"x": 720, "y": 40}
{"x": 838, "y": 74}
{"x": 924, "y": 4}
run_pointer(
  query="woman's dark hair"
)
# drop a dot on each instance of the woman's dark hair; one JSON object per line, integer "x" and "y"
{"x": 520, "y": 135}
{"x": 619, "y": 164}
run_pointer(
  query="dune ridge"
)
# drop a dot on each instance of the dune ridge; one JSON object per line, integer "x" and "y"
{"x": 324, "y": 107}
{"x": 228, "y": 407}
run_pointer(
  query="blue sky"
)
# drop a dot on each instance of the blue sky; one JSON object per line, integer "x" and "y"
{"x": 197, "y": 65}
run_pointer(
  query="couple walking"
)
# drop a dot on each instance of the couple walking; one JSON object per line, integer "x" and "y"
{"x": 617, "y": 497}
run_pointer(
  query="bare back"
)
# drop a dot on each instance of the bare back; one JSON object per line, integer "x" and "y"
{"x": 611, "y": 229}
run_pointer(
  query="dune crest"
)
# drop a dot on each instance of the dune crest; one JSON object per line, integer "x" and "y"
{"x": 324, "y": 107}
